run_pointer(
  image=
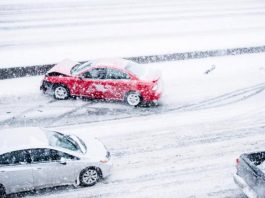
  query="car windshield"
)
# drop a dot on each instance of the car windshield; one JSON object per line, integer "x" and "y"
{"x": 65, "y": 141}
{"x": 80, "y": 142}
{"x": 136, "y": 69}
{"x": 80, "y": 67}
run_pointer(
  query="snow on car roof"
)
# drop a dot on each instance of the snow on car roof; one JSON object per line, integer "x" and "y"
{"x": 22, "y": 138}
{"x": 112, "y": 62}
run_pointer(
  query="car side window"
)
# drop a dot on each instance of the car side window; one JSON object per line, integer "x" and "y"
{"x": 15, "y": 158}
{"x": 96, "y": 73}
{"x": 57, "y": 155}
{"x": 48, "y": 155}
{"x": 86, "y": 75}
{"x": 116, "y": 74}
{"x": 40, "y": 155}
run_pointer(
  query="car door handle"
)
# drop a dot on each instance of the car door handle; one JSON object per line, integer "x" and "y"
{"x": 38, "y": 168}
{"x": 2, "y": 171}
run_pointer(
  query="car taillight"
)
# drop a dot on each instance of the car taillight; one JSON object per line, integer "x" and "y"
{"x": 155, "y": 87}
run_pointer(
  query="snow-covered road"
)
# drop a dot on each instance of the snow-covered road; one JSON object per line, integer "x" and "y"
{"x": 47, "y": 31}
{"x": 185, "y": 148}
{"x": 212, "y": 109}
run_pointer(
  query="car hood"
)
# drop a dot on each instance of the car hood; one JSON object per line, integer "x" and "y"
{"x": 95, "y": 149}
{"x": 63, "y": 67}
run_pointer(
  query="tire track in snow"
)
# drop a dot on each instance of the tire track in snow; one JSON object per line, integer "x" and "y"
{"x": 115, "y": 5}
{"x": 87, "y": 113}
{"x": 118, "y": 21}
{"x": 170, "y": 175}
{"x": 229, "y": 98}
{"x": 118, "y": 187}
{"x": 178, "y": 176}
{"x": 12, "y": 121}
{"x": 159, "y": 12}
{"x": 154, "y": 137}
{"x": 181, "y": 10}
{"x": 225, "y": 99}
{"x": 21, "y": 119}
{"x": 68, "y": 114}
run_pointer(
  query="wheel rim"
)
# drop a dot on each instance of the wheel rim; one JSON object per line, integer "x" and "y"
{"x": 90, "y": 176}
{"x": 60, "y": 92}
{"x": 133, "y": 99}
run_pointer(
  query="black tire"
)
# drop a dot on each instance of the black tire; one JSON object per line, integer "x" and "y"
{"x": 89, "y": 177}
{"x": 2, "y": 191}
{"x": 61, "y": 92}
{"x": 133, "y": 98}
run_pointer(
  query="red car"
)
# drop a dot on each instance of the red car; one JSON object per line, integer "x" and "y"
{"x": 113, "y": 79}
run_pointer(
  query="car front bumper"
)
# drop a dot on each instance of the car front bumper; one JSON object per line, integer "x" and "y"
{"x": 244, "y": 186}
{"x": 106, "y": 168}
{"x": 46, "y": 86}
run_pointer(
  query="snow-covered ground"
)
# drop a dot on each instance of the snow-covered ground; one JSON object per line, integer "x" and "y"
{"x": 47, "y": 31}
{"x": 185, "y": 148}
{"x": 185, "y": 83}
{"x": 212, "y": 109}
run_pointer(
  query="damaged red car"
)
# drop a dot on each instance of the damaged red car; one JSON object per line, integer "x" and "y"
{"x": 115, "y": 79}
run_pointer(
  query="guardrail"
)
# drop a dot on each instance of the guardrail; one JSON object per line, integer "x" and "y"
{"x": 15, "y": 72}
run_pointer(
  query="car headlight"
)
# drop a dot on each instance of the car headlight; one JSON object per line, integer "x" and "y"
{"x": 104, "y": 161}
{"x": 108, "y": 156}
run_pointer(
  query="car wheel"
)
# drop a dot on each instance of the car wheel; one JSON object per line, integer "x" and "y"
{"x": 133, "y": 98}
{"x": 2, "y": 191}
{"x": 61, "y": 92}
{"x": 89, "y": 177}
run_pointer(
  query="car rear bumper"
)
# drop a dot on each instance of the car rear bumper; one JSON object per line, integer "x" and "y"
{"x": 152, "y": 97}
{"x": 244, "y": 186}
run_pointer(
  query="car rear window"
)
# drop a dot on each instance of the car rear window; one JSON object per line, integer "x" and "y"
{"x": 136, "y": 69}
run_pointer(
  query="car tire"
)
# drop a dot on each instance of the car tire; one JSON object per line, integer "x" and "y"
{"x": 133, "y": 98}
{"x": 89, "y": 177}
{"x": 61, "y": 92}
{"x": 2, "y": 191}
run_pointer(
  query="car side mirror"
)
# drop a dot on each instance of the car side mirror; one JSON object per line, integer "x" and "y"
{"x": 62, "y": 161}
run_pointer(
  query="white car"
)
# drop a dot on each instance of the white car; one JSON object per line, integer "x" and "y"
{"x": 32, "y": 158}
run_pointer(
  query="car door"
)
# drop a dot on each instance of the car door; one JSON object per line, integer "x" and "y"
{"x": 93, "y": 83}
{"x": 16, "y": 171}
{"x": 117, "y": 83}
{"x": 66, "y": 166}
{"x": 49, "y": 170}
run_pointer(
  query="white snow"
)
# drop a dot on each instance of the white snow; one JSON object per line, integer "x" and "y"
{"x": 186, "y": 149}
{"x": 262, "y": 166}
{"x": 183, "y": 81}
{"x": 212, "y": 109}
{"x": 39, "y": 32}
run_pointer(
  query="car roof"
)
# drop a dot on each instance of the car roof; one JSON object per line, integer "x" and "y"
{"x": 112, "y": 62}
{"x": 22, "y": 138}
